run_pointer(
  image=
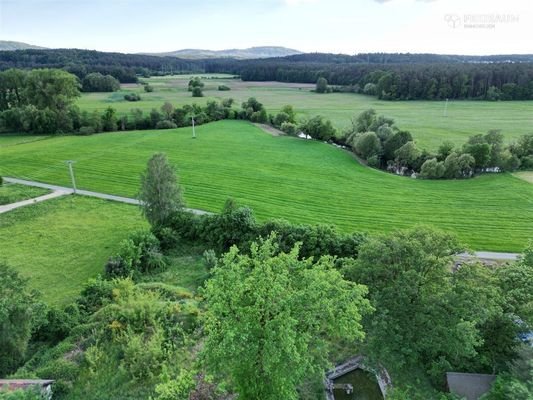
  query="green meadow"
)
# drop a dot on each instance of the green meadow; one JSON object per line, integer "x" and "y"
{"x": 11, "y": 193}
{"x": 283, "y": 177}
{"x": 425, "y": 119}
{"x": 61, "y": 243}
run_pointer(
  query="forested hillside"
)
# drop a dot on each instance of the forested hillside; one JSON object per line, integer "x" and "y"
{"x": 387, "y": 76}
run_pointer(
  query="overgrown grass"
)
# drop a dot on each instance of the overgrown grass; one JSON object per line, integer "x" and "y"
{"x": 11, "y": 193}
{"x": 425, "y": 119}
{"x": 60, "y": 243}
{"x": 284, "y": 177}
{"x": 186, "y": 268}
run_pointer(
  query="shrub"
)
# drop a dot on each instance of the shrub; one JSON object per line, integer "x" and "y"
{"x": 373, "y": 161}
{"x": 117, "y": 267}
{"x": 86, "y": 130}
{"x": 197, "y": 92}
{"x": 132, "y": 97}
{"x": 165, "y": 124}
{"x": 289, "y": 128}
{"x": 148, "y": 88}
{"x": 140, "y": 253}
{"x": 367, "y": 145}
{"x": 1, "y": 181}
{"x": 23, "y": 394}
{"x": 96, "y": 82}
{"x": 97, "y": 293}
{"x": 280, "y": 118}
{"x": 318, "y": 128}
{"x": 168, "y": 292}
{"x": 210, "y": 259}
{"x": 433, "y": 169}
{"x": 259, "y": 116}
{"x": 168, "y": 237}
{"x": 143, "y": 356}
{"x": 223, "y": 88}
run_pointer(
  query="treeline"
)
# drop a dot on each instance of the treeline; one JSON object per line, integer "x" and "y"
{"x": 38, "y": 101}
{"x": 382, "y": 145}
{"x": 502, "y": 81}
{"x": 388, "y": 76}
{"x": 124, "y": 67}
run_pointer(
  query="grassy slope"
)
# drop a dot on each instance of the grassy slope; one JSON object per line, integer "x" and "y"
{"x": 302, "y": 181}
{"x": 61, "y": 243}
{"x": 11, "y": 193}
{"x": 423, "y": 118}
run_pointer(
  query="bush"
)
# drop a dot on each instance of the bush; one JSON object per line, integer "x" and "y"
{"x": 1, "y": 181}
{"x": 96, "y": 82}
{"x": 97, "y": 293}
{"x": 318, "y": 128}
{"x": 165, "y": 124}
{"x": 223, "y": 88}
{"x": 210, "y": 259}
{"x": 140, "y": 253}
{"x": 432, "y": 169}
{"x": 86, "y": 130}
{"x": 197, "y": 92}
{"x": 117, "y": 267}
{"x": 23, "y": 394}
{"x": 367, "y": 144}
{"x": 280, "y": 118}
{"x": 143, "y": 356}
{"x": 132, "y": 97}
{"x": 148, "y": 88}
{"x": 373, "y": 161}
{"x": 289, "y": 128}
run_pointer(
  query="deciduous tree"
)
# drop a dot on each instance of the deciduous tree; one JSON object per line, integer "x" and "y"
{"x": 270, "y": 317}
{"x": 160, "y": 193}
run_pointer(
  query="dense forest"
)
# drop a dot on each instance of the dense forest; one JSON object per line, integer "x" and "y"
{"x": 388, "y": 76}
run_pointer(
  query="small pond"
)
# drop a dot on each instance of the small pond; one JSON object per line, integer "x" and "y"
{"x": 365, "y": 386}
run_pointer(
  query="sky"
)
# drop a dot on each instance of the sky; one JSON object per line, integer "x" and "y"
{"x": 337, "y": 26}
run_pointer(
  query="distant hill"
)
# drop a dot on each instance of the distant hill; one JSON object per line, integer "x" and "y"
{"x": 250, "y": 53}
{"x": 10, "y": 45}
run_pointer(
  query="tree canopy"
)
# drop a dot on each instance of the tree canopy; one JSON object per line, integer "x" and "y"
{"x": 160, "y": 193}
{"x": 270, "y": 317}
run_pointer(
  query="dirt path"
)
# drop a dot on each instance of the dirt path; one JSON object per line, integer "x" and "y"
{"x": 270, "y": 129}
{"x": 56, "y": 193}
{"x": 89, "y": 193}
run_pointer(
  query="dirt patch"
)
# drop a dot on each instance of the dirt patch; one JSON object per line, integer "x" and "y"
{"x": 525, "y": 176}
{"x": 270, "y": 130}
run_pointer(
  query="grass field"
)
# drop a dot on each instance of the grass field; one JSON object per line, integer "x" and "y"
{"x": 60, "y": 243}
{"x": 11, "y": 193}
{"x": 424, "y": 119}
{"x": 285, "y": 177}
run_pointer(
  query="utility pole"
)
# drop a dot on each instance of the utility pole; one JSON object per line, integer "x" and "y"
{"x": 446, "y": 108}
{"x": 70, "y": 162}
{"x": 193, "y": 131}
